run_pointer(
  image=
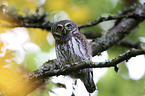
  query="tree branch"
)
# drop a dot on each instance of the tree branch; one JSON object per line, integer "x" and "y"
{"x": 119, "y": 17}
{"x": 130, "y": 44}
{"x": 90, "y": 35}
{"x": 51, "y": 68}
{"x": 34, "y": 20}
{"x": 54, "y": 70}
{"x": 119, "y": 31}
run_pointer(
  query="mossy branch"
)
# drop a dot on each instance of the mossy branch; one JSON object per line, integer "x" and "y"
{"x": 51, "y": 68}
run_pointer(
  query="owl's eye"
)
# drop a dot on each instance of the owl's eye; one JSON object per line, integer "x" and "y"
{"x": 59, "y": 27}
{"x": 68, "y": 26}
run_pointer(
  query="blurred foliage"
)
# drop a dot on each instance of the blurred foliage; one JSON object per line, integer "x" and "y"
{"x": 112, "y": 84}
{"x": 39, "y": 36}
{"x": 9, "y": 79}
{"x": 37, "y": 46}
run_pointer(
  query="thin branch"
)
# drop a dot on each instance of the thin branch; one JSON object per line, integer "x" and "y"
{"x": 118, "y": 32}
{"x": 34, "y": 20}
{"x": 119, "y": 17}
{"x": 46, "y": 26}
{"x": 101, "y": 19}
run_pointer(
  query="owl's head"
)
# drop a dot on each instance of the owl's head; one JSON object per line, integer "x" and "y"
{"x": 64, "y": 30}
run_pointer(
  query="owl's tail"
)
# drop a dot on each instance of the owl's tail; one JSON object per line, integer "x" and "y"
{"x": 88, "y": 80}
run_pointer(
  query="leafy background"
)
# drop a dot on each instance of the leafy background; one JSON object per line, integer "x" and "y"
{"x": 23, "y": 50}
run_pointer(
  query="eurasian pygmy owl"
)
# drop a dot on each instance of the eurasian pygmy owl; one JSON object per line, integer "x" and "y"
{"x": 71, "y": 47}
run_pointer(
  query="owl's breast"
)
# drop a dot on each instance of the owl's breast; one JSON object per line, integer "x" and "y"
{"x": 76, "y": 48}
{"x": 71, "y": 52}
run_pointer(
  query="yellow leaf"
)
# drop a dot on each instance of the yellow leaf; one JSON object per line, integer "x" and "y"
{"x": 81, "y": 14}
{"x": 22, "y": 5}
{"x": 38, "y": 36}
{"x": 53, "y": 5}
{"x": 9, "y": 79}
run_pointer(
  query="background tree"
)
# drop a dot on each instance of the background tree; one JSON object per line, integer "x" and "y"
{"x": 26, "y": 43}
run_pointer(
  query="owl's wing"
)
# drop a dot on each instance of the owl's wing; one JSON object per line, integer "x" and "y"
{"x": 84, "y": 43}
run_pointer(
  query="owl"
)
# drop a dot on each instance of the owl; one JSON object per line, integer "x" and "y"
{"x": 72, "y": 47}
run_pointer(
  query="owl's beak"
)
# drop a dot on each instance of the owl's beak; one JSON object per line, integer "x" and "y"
{"x": 64, "y": 31}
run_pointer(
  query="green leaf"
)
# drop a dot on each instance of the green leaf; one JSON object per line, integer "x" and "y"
{"x": 112, "y": 84}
